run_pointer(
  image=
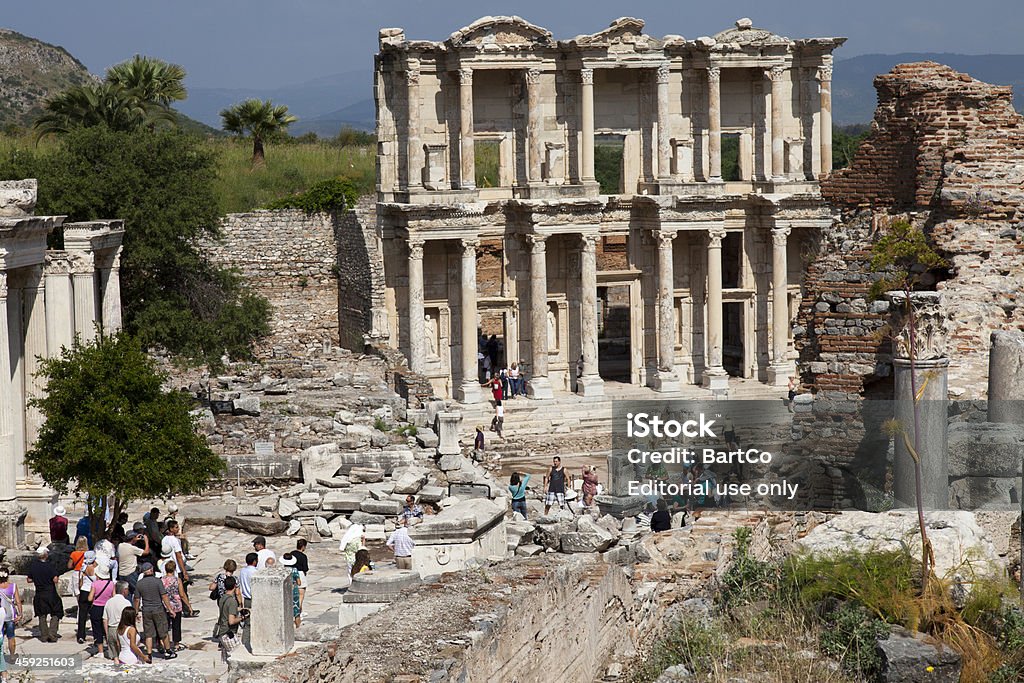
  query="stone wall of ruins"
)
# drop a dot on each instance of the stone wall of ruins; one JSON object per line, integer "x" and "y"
{"x": 947, "y": 153}
{"x": 360, "y": 268}
{"x": 291, "y": 259}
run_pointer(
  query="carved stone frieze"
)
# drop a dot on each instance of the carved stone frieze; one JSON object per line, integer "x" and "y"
{"x": 931, "y": 325}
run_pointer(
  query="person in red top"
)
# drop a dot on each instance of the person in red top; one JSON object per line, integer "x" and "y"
{"x": 59, "y": 526}
{"x": 496, "y": 391}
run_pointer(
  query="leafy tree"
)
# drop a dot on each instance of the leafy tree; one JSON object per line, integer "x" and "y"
{"x": 112, "y": 433}
{"x": 845, "y": 142}
{"x": 161, "y": 183}
{"x": 134, "y": 94}
{"x": 260, "y": 119}
{"x": 97, "y": 104}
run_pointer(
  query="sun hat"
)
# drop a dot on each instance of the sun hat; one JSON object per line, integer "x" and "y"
{"x": 42, "y": 550}
{"x": 59, "y": 510}
{"x": 289, "y": 560}
{"x": 89, "y": 557}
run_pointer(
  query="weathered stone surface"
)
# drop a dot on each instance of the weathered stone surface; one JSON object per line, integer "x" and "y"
{"x": 262, "y": 526}
{"x": 342, "y": 501}
{"x": 320, "y": 462}
{"x": 916, "y": 658}
{"x": 366, "y": 474}
{"x": 426, "y": 437}
{"x": 247, "y": 405}
{"x": 431, "y": 494}
{"x": 108, "y": 672}
{"x": 322, "y": 526}
{"x": 409, "y": 480}
{"x": 450, "y": 462}
{"x": 985, "y": 449}
{"x": 365, "y": 518}
{"x": 529, "y": 550}
{"x": 309, "y": 500}
{"x": 589, "y": 537}
{"x": 955, "y": 536}
{"x": 335, "y": 482}
{"x": 380, "y": 507}
{"x": 286, "y": 507}
{"x": 272, "y": 626}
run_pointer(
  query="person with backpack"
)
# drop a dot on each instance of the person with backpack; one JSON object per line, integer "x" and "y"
{"x": 229, "y": 615}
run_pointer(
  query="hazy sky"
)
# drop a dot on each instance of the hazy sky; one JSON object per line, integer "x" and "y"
{"x": 268, "y": 43}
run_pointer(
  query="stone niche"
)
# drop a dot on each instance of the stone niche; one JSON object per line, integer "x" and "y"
{"x": 447, "y": 542}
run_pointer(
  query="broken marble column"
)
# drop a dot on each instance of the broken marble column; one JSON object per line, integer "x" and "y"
{"x": 1006, "y": 377}
{"x": 371, "y": 592}
{"x": 272, "y": 628}
{"x": 926, "y": 378}
{"x": 447, "y": 428}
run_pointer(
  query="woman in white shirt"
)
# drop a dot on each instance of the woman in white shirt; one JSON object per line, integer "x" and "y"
{"x": 128, "y": 639}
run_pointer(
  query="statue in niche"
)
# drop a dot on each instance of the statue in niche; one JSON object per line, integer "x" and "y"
{"x": 552, "y": 329}
{"x": 430, "y": 332}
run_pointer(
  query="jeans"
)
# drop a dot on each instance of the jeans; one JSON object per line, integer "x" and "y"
{"x": 519, "y": 506}
{"x": 131, "y": 579}
{"x": 96, "y": 617}
{"x": 175, "y": 621}
{"x": 83, "y": 613}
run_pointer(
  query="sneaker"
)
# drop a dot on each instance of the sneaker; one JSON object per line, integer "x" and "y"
{"x": 170, "y": 655}
{"x": 190, "y": 557}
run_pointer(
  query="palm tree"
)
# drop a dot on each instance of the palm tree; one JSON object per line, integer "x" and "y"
{"x": 260, "y": 119}
{"x": 93, "y": 104}
{"x": 151, "y": 79}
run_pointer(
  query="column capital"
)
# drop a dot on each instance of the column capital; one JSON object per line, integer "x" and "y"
{"x": 663, "y": 72}
{"x": 466, "y": 76}
{"x": 412, "y": 72}
{"x": 587, "y": 76}
{"x": 779, "y": 235}
{"x": 416, "y": 248}
{"x": 537, "y": 242}
{"x": 664, "y": 238}
{"x": 532, "y": 76}
{"x": 590, "y": 242}
{"x": 469, "y": 245}
{"x": 824, "y": 73}
{"x": 714, "y": 74}
{"x": 775, "y": 73}
{"x": 81, "y": 262}
{"x": 715, "y": 237}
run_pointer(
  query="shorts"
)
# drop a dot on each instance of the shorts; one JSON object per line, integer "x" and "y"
{"x": 154, "y": 624}
{"x": 8, "y": 629}
{"x": 553, "y": 496}
{"x": 404, "y": 562}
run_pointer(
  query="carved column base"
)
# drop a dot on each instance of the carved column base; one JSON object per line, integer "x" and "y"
{"x": 665, "y": 381}
{"x": 469, "y": 392}
{"x": 38, "y": 499}
{"x": 590, "y": 386}
{"x": 12, "y": 524}
{"x": 716, "y": 379}
{"x": 539, "y": 387}
{"x": 779, "y": 374}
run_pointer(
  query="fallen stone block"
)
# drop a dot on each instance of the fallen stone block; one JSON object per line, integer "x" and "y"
{"x": 366, "y": 475}
{"x": 588, "y": 538}
{"x": 247, "y": 405}
{"x": 320, "y": 462}
{"x": 365, "y": 518}
{"x": 268, "y": 503}
{"x": 410, "y": 480}
{"x": 207, "y": 514}
{"x": 293, "y": 527}
{"x": 322, "y": 526}
{"x": 258, "y": 526}
{"x": 529, "y": 550}
{"x": 248, "y": 510}
{"x": 342, "y": 501}
{"x": 381, "y": 507}
{"x": 448, "y": 463}
{"x": 335, "y": 482}
{"x": 376, "y": 532}
{"x": 381, "y": 491}
{"x": 309, "y": 500}
{"x": 915, "y": 658}
{"x": 286, "y": 507}
{"x": 431, "y": 494}
{"x": 426, "y": 437}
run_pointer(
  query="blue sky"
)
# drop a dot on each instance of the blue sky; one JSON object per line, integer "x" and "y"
{"x": 265, "y": 43}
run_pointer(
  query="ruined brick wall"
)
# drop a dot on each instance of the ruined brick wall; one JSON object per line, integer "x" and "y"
{"x": 289, "y": 258}
{"x": 360, "y": 267}
{"x": 947, "y": 154}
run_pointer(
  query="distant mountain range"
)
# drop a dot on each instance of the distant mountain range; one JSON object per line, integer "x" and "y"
{"x": 33, "y": 71}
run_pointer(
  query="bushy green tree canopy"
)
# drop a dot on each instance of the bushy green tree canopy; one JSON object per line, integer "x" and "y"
{"x": 112, "y": 432}
{"x": 161, "y": 183}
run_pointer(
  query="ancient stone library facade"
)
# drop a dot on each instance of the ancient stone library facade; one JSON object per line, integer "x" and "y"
{"x": 47, "y": 298}
{"x": 492, "y": 220}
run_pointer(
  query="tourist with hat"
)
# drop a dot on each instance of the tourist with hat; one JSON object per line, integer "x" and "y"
{"x": 298, "y": 586}
{"x": 47, "y": 603}
{"x": 101, "y": 591}
{"x": 129, "y": 552}
{"x": 59, "y": 526}
{"x": 151, "y": 598}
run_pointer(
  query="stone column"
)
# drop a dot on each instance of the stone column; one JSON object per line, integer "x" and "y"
{"x": 590, "y": 384}
{"x": 84, "y": 279}
{"x": 535, "y": 146}
{"x": 926, "y": 379}
{"x": 781, "y": 368}
{"x": 825, "y": 77}
{"x": 16, "y": 353}
{"x": 467, "y": 174}
{"x": 1006, "y": 377}
{"x": 35, "y": 348}
{"x": 12, "y": 515}
{"x": 714, "y": 124}
{"x": 538, "y": 385}
{"x": 414, "y": 147}
{"x": 272, "y": 631}
{"x": 775, "y": 75}
{"x": 587, "y": 122}
{"x": 110, "y": 284}
{"x": 416, "y": 351}
{"x": 664, "y": 163}
{"x": 60, "y": 321}
{"x": 469, "y": 391}
{"x": 715, "y": 377}
{"x": 666, "y": 380}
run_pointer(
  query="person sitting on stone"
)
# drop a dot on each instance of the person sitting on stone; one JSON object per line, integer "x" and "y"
{"x": 411, "y": 512}
{"x": 362, "y": 563}
{"x": 662, "y": 519}
{"x": 59, "y": 526}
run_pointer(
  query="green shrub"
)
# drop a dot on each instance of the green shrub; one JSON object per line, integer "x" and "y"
{"x": 748, "y": 579}
{"x": 696, "y": 644}
{"x": 380, "y": 425}
{"x": 333, "y": 194}
{"x": 850, "y": 638}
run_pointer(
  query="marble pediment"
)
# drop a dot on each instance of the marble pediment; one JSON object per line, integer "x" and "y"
{"x": 745, "y": 34}
{"x": 501, "y": 32}
{"x": 625, "y": 33}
